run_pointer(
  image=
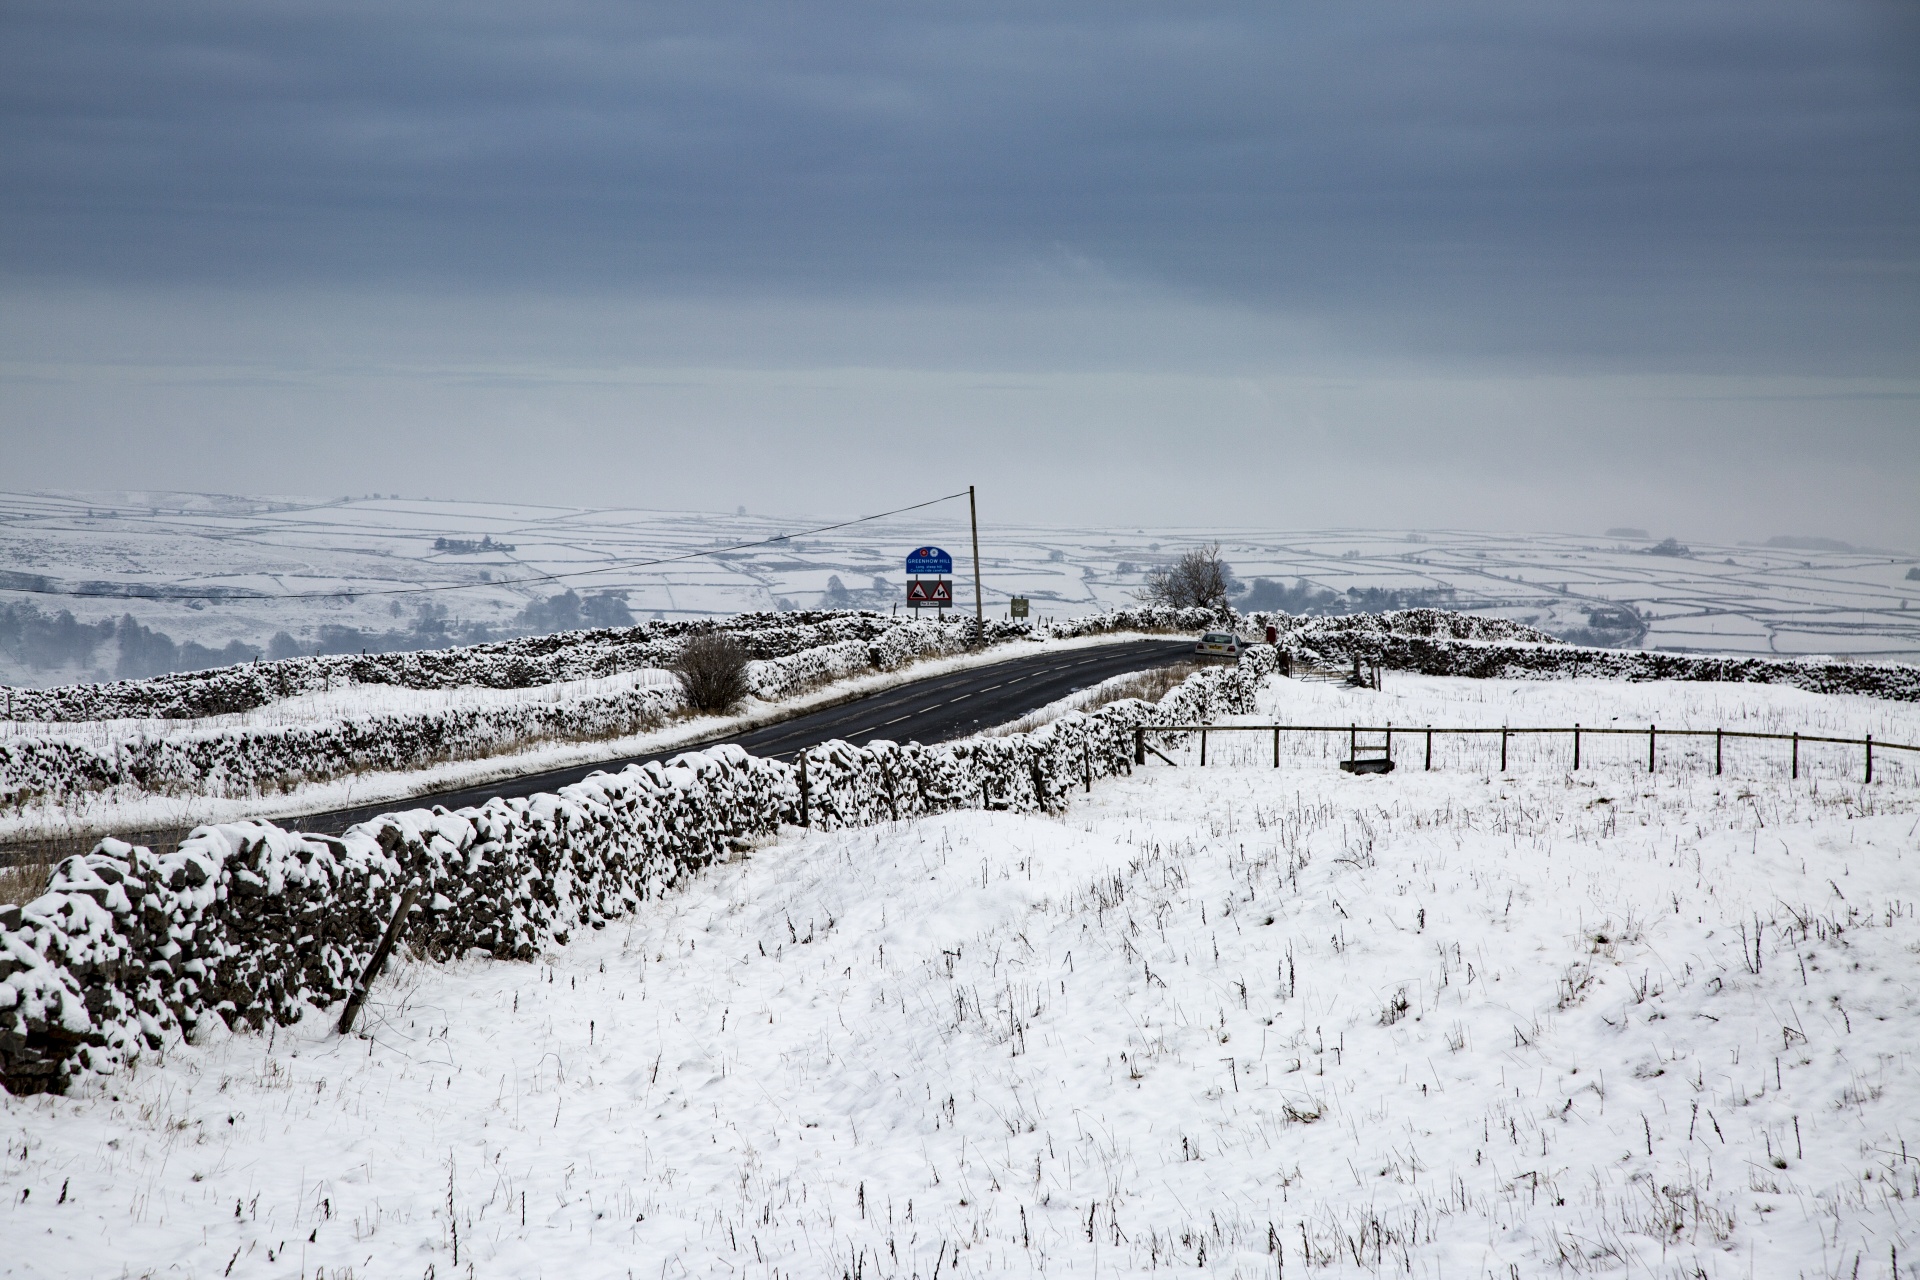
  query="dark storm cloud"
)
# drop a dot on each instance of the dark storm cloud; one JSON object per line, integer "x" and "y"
{"x": 1734, "y": 182}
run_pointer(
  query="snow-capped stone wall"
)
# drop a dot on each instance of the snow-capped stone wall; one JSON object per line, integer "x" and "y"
{"x": 251, "y": 761}
{"x": 1436, "y": 643}
{"x": 226, "y": 761}
{"x": 1149, "y": 618}
{"x": 506, "y": 664}
{"x": 253, "y": 924}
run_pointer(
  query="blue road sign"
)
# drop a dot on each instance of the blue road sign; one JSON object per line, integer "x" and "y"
{"x": 929, "y": 560}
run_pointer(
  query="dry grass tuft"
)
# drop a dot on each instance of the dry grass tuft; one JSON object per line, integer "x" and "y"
{"x": 24, "y": 881}
{"x": 1149, "y": 686}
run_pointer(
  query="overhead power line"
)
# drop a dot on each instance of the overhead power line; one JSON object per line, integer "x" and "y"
{"x": 353, "y": 593}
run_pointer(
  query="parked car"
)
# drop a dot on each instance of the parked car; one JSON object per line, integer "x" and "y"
{"x": 1218, "y": 644}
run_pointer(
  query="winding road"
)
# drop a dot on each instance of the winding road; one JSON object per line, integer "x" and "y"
{"x": 932, "y": 710}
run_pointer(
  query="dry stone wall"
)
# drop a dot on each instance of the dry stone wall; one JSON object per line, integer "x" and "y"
{"x": 254, "y": 925}
{"x": 241, "y": 762}
{"x": 1148, "y": 618}
{"x": 1433, "y": 642}
{"x": 807, "y": 650}
{"x": 506, "y": 664}
{"x": 251, "y": 762}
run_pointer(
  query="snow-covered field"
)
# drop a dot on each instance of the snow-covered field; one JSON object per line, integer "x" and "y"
{"x": 1412, "y": 702}
{"x": 1243, "y": 1020}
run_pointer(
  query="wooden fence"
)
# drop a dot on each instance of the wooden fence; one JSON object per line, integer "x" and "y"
{"x": 1652, "y": 733}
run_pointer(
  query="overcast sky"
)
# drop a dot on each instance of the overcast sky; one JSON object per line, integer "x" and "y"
{"x": 1502, "y": 265}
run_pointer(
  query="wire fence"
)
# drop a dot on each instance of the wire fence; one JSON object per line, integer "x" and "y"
{"x": 1650, "y": 749}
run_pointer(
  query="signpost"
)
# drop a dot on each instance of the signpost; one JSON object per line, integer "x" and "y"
{"x": 937, "y": 594}
{"x": 1017, "y": 607}
{"x": 930, "y": 560}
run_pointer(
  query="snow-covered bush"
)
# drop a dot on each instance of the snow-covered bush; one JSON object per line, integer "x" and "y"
{"x": 254, "y": 924}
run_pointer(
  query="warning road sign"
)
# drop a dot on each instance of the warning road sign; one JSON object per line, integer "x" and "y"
{"x": 934, "y": 593}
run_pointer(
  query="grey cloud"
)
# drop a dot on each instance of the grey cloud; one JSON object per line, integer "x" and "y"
{"x": 1493, "y": 264}
{"x": 1727, "y": 182}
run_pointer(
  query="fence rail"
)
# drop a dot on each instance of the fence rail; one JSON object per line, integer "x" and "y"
{"x": 1652, "y": 733}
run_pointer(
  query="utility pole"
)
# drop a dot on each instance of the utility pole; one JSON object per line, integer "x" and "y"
{"x": 973, "y": 513}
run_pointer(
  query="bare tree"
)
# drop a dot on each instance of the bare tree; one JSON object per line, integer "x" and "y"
{"x": 712, "y": 670}
{"x": 1199, "y": 578}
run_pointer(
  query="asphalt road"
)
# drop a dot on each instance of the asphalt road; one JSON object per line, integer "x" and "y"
{"x": 932, "y": 710}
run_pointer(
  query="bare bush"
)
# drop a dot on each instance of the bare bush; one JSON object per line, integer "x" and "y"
{"x": 24, "y": 881}
{"x": 712, "y": 670}
{"x": 1198, "y": 579}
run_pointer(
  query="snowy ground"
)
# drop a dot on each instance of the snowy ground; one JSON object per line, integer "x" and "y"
{"x": 1413, "y": 702}
{"x": 1234, "y": 1020}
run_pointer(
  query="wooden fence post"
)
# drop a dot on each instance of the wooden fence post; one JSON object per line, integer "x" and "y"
{"x": 1869, "y": 757}
{"x": 806, "y": 817}
{"x": 1203, "y": 748}
{"x": 1503, "y": 748}
{"x": 1086, "y": 762}
{"x": 1139, "y": 744}
{"x": 1650, "y": 733}
{"x": 1796, "y": 756}
{"x": 1429, "y": 748}
{"x": 1276, "y": 746}
{"x": 1039, "y": 785}
{"x": 358, "y": 995}
{"x": 1717, "y": 733}
{"x": 1389, "y": 742}
{"x": 1576, "y": 747}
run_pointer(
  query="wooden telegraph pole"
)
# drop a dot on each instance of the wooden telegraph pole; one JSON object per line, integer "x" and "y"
{"x": 973, "y": 514}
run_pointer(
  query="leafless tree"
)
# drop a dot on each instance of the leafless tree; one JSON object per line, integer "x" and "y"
{"x": 1199, "y": 578}
{"x": 712, "y": 670}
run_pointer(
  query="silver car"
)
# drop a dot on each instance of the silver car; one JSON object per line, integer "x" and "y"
{"x": 1218, "y": 644}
